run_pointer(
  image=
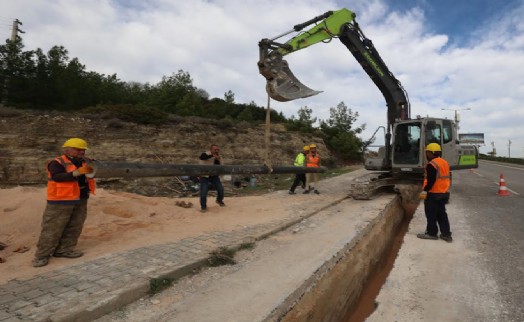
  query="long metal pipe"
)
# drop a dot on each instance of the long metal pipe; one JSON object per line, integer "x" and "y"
{"x": 131, "y": 170}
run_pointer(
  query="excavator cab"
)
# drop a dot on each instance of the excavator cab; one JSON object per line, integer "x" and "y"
{"x": 412, "y": 136}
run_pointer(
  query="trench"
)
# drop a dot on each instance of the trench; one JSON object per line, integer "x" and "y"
{"x": 366, "y": 303}
{"x": 346, "y": 288}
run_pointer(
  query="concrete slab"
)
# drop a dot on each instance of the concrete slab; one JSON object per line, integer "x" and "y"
{"x": 437, "y": 281}
{"x": 291, "y": 258}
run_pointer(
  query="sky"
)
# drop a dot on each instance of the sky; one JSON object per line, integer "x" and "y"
{"x": 463, "y": 57}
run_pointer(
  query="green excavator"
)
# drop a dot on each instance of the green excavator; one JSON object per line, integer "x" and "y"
{"x": 402, "y": 158}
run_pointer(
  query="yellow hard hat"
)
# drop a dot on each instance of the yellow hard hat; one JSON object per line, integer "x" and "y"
{"x": 75, "y": 143}
{"x": 433, "y": 147}
{"x": 313, "y": 145}
{"x": 306, "y": 147}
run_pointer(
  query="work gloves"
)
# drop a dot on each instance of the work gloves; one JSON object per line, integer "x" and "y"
{"x": 85, "y": 169}
{"x": 423, "y": 195}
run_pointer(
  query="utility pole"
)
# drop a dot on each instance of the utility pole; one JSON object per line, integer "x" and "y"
{"x": 509, "y": 148}
{"x": 14, "y": 36}
{"x": 457, "y": 116}
{"x": 16, "y": 30}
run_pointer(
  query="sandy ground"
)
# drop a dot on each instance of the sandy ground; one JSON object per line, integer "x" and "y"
{"x": 117, "y": 221}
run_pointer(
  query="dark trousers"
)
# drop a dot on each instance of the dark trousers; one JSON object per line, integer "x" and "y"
{"x": 204, "y": 188}
{"x": 299, "y": 177}
{"x": 435, "y": 209}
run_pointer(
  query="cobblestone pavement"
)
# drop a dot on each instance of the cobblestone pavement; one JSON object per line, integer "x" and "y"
{"x": 91, "y": 289}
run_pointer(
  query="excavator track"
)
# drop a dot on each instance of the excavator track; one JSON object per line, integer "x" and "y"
{"x": 366, "y": 186}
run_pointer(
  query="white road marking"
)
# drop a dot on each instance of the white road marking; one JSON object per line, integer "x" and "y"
{"x": 514, "y": 192}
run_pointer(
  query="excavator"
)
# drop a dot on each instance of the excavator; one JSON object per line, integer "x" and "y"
{"x": 402, "y": 158}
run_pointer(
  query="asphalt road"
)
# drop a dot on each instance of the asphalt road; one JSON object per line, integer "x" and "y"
{"x": 498, "y": 221}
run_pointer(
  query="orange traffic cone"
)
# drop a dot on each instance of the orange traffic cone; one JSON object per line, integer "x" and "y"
{"x": 503, "y": 190}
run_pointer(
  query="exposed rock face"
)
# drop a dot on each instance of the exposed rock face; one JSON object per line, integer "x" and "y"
{"x": 29, "y": 140}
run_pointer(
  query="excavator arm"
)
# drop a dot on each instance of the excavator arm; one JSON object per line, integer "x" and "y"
{"x": 283, "y": 86}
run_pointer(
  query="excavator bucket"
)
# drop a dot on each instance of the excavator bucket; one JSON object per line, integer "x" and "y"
{"x": 282, "y": 85}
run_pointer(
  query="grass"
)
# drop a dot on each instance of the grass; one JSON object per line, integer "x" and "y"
{"x": 246, "y": 246}
{"x": 157, "y": 285}
{"x": 222, "y": 256}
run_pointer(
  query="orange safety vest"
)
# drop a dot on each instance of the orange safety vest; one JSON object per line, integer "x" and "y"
{"x": 313, "y": 161}
{"x": 443, "y": 180}
{"x": 68, "y": 190}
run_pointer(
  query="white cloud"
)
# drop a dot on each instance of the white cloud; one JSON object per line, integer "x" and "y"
{"x": 216, "y": 42}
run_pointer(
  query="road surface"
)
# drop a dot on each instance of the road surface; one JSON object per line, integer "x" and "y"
{"x": 480, "y": 276}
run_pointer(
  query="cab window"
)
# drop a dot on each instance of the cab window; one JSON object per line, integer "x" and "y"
{"x": 406, "y": 147}
{"x": 447, "y": 131}
{"x": 433, "y": 133}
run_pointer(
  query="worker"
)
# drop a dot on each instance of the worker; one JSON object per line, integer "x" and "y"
{"x": 300, "y": 161}
{"x": 312, "y": 161}
{"x": 437, "y": 180}
{"x": 69, "y": 184}
{"x": 209, "y": 158}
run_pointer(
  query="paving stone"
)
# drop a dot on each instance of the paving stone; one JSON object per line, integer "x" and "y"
{"x": 106, "y": 279}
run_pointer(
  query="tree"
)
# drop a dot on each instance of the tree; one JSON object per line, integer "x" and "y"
{"x": 342, "y": 118}
{"x": 15, "y": 69}
{"x": 304, "y": 123}
{"x": 229, "y": 97}
{"x": 190, "y": 104}
{"x": 202, "y": 93}
{"x": 340, "y": 135}
{"x": 246, "y": 115}
{"x": 171, "y": 90}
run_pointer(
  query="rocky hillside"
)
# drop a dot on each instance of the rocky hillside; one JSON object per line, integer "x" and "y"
{"x": 29, "y": 139}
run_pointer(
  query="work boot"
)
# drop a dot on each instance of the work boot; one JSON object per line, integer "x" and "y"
{"x": 291, "y": 192}
{"x": 221, "y": 203}
{"x": 203, "y": 210}
{"x": 69, "y": 254}
{"x": 427, "y": 236}
{"x": 39, "y": 262}
{"x": 449, "y": 239}
{"x": 317, "y": 192}
{"x": 306, "y": 191}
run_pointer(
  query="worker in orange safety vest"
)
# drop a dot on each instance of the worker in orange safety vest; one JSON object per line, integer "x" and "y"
{"x": 312, "y": 161}
{"x": 435, "y": 193}
{"x": 69, "y": 183}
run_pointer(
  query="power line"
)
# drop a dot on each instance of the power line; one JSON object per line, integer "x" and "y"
{"x": 7, "y": 18}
